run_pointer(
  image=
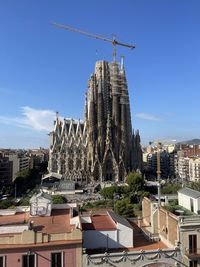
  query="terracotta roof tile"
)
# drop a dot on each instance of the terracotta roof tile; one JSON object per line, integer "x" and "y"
{"x": 58, "y": 222}
{"x": 100, "y": 222}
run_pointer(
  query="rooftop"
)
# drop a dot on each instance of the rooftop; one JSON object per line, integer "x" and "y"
{"x": 59, "y": 243}
{"x": 140, "y": 243}
{"x": 119, "y": 219}
{"x": 100, "y": 222}
{"x": 58, "y": 222}
{"x": 189, "y": 192}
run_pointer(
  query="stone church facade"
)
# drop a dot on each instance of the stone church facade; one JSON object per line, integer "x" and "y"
{"x": 103, "y": 147}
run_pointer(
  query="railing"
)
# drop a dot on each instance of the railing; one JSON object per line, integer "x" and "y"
{"x": 150, "y": 236}
{"x": 188, "y": 220}
{"x": 192, "y": 252}
{"x": 154, "y": 237}
{"x": 137, "y": 258}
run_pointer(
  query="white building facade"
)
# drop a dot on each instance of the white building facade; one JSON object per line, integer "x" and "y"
{"x": 194, "y": 169}
{"x": 106, "y": 232}
{"x": 189, "y": 199}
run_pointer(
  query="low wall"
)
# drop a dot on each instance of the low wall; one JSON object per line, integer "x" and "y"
{"x": 166, "y": 257}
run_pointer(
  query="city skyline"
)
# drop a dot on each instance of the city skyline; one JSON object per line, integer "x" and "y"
{"x": 44, "y": 69}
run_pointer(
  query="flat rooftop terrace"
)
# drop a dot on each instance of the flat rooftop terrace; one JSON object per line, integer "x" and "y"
{"x": 58, "y": 222}
{"x": 139, "y": 241}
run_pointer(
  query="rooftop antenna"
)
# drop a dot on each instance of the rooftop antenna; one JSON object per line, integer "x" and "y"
{"x": 113, "y": 41}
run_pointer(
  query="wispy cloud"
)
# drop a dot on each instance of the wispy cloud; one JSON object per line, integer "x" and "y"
{"x": 146, "y": 116}
{"x": 35, "y": 119}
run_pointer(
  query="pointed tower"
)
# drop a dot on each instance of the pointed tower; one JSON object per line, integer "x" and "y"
{"x": 103, "y": 148}
{"x": 100, "y": 119}
{"x": 126, "y": 127}
{"x": 92, "y": 131}
{"x": 110, "y": 130}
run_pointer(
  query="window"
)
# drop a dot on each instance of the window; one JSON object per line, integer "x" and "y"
{"x": 193, "y": 264}
{"x": 192, "y": 243}
{"x": 28, "y": 260}
{"x": 56, "y": 259}
{"x": 2, "y": 261}
{"x": 191, "y": 205}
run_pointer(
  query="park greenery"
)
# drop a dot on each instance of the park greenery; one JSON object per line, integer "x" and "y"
{"x": 24, "y": 186}
{"x": 27, "y": 180}
{"x": 127, "y": 198}
{"x": 173, "y": 207}
{"x": 59, "y": 199}
{"x": 194, "y": 185}
{"x": 170, "y": 188}
{"x": 5, "y": 204}
{"x": 98, "y": 204}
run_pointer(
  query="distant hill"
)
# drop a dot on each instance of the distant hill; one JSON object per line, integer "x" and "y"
{"x": 190, "y": 142}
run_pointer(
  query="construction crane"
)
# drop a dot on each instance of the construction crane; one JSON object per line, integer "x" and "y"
{"x": 113, "y": 41}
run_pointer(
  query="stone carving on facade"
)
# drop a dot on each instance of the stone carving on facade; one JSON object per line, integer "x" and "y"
{"x": 104, "y": 146}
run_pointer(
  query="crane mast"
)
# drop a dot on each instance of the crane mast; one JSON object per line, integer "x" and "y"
{"x": 113, "y": 41}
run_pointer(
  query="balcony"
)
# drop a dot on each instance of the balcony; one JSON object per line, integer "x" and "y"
{"x": 192, "y": 220}
{"x": 192, "y": 253}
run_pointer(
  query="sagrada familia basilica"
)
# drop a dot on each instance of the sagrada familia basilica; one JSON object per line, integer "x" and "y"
{"x": 103, "y": 147}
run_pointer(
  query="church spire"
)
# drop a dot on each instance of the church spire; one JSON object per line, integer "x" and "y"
{"x": 122, "y": 63}
{"x": 108, "y": 130}
{"x": 86, "y": 108}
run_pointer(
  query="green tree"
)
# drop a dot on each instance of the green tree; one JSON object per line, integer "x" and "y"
{"x": 58, "y": 199}
{"x": 108, "y": 192}
{"x": 135, "y": 182}
{"x": 25, "y": 201}
{"x": 170, "y": 188}
{"x": 194, "y": 185}
{"x": 124, "y": 208}
{"x": 27, "y": 179}
{"x": 122, "y": 190}
{"x": 5, "y": 204}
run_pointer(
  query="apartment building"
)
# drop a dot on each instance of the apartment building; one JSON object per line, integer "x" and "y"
{"x": 6, "y": 170}
{"x": 188, "y": 168}
{"x": 194, "y": 169}
{"x": 179, "y": 227}
{"x": 183, "y": 168}
{"x": 24, "y": 162}
{"x": 38, "y": 156}
{"x": 42, "y": 235}
{"x": 166, "y": 163}
{"x": 12, "y": 162}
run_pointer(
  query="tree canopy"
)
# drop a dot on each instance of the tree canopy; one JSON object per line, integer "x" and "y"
{"x": 170, "y": 188}
{"x": 124, "y": 207}
{"x": 194, "y": 185}
{"x": 135, "y": 182}
{"x": 58, "y": 199}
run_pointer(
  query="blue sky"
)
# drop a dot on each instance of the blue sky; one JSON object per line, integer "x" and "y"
{"x": 44, "y": 69}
